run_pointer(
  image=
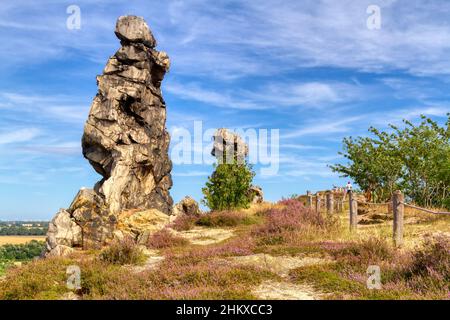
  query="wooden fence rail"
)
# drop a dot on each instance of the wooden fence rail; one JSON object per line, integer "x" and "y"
{"x": 396, "y": 206}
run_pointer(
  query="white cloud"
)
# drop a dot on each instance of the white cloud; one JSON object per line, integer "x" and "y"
{"x": 253, "y": 38}
{"x": 192, "y": 173}
{"x": 330, "y": 126}
{"x": 272, "y": 96}
{"x": 20, "y": 135}
{"x": 60, "y": 107}
{"x": 64, "y": 148}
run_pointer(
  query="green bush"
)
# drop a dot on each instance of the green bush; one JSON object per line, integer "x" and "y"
{"x": 227, "y": 187}
{"x": 22, "y": 252}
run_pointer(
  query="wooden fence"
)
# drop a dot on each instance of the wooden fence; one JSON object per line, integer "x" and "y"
{"x": 397, "y": 204}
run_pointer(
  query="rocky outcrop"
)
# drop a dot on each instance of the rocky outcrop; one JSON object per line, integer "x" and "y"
{"x": 256, "y": 194}
{"x": 228, "y": 145}
{"x": 140, "y": 225}
{"x": 187, "y": 206}
{"x": 125, "y": 138}
{"x": 63, "y": 234}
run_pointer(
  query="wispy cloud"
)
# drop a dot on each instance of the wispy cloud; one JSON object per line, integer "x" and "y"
{"x": 330, "y": 126}
{"x": 270, "y": 96}
{"x": 64, "y": 148}
{"x": 20, "y": 135}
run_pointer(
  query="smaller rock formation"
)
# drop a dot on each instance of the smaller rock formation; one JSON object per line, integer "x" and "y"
{"x": 186, "y": 206}
{"x": 63, "y": 234}
{"x": 256, "y": 194}
{"x": 228, "y": 145}
{"x": 140, "y": 225}
{"x": 126, "y": 142}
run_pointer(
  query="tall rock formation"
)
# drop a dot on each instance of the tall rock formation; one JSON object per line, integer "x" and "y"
{"x": 125, "y": 141}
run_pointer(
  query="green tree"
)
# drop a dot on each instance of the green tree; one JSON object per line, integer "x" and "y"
{"x": 228, "y": 186}
{"x": 415, "y": 159}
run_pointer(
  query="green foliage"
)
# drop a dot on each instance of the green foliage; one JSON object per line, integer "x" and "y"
{"x": 414, "y": 159}
{"x": 21, "y": 252}
{"x": 227, "y": 187}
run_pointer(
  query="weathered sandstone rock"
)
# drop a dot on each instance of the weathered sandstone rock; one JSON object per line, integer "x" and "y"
{"x": 125, "y": 140}
{"x": 62, "y": 230}
{"x": 227, "y": 143}
{"x": 187, "y": 206}
{"x": 134, "y": 29}
{"x": 257, "y": 194}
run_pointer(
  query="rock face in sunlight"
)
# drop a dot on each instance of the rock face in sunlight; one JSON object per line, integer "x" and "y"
{"x": 187, "y": 206}
{"x": 257, "y": 194}
{"x": 125, "y": 139}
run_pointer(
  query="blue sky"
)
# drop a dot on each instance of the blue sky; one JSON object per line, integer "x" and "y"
{"x": 309, "y": 68}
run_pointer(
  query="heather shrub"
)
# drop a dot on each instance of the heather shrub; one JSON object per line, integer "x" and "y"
{"x": 287, "y": 222}
{"x": 225, "y": 219}
{"x": 165, "y": 239}
{"x": 183, "y": 223}
{"x": 39, "y": 279}
{"x": 433, "y": 259}
{"x": 363, "y": 252}
{"x": 123, "y": 252}
{"x": 429, "y": 267}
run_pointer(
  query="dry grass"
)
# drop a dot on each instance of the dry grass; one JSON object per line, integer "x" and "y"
{"x": 19, "y": 239}
{"x": 285, "y": 232}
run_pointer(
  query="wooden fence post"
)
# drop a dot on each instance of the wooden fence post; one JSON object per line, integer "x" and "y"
{"x": 353, "y": 209}
{"x": 310, "y": 198}
{"x": 398, "y": 208}
{"x": 318, "y": 204}
{"x": 330, "y": 208}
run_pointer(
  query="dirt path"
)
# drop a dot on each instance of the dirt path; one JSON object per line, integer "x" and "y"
{"x": 281, "y": 265}
{"x": 205, "y": 236}
{"x": 152, "y": 262}
{"x": 273, "y": 290}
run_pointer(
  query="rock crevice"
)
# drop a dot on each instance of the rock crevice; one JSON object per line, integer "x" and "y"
{"x": 125, "y": 140}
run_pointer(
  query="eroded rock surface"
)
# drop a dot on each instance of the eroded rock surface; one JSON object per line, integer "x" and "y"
{"x": 187, "y": 206}
{"x": 228, "y": 145}
{"x": 124, "y": 139}
{"x": 256, "y": 194}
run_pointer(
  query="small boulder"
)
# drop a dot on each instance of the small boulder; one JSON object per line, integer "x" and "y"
{"x": 63, "y": 232}
{"x": 227, "y": 143}
{"x": 140, "y": 223}
{"x": 59, "y": 251}
{"x": 134, "y": 29}
{"x": 187, "y": 206}
{"x": 256, "y": 194}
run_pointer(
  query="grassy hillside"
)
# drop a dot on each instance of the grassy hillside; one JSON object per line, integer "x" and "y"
{"x": 279, "y": 251}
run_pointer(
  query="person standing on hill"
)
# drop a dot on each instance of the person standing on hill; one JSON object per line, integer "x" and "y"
{"x": 348, "y": 188}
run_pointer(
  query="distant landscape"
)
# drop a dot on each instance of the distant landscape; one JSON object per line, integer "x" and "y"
{"x": 20, "y": 241}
